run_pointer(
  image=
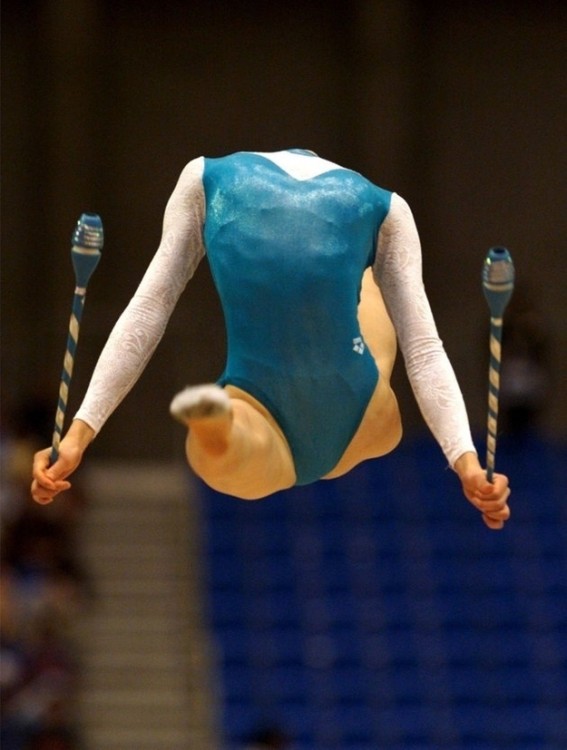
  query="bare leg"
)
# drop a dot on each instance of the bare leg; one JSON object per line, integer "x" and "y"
{"x": 377, "y": 328}
{"x": 381, "y": 429}
{"x": 233, "y": 443}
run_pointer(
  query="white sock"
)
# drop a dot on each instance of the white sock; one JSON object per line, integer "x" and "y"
{"x": 199, "y": 401}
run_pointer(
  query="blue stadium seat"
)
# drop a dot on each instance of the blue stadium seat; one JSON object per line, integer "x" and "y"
{"x": 381, "y": 604}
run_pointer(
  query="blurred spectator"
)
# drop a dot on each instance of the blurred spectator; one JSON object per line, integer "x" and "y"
{"x": 42, "y": 589}
{"x": 525, "y": 373}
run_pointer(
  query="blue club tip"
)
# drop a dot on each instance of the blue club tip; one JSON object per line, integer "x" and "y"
{"x": 87, "y": 242}
{"x": 498, "y": 280}
{"x": 88, "y": 232}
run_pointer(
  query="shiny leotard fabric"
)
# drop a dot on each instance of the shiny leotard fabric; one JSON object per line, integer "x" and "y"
{"x": 287, "y": 256}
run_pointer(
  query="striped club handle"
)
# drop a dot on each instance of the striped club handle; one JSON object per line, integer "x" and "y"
{"x": 498, "y": 284}
{"x": 87, "y": 242}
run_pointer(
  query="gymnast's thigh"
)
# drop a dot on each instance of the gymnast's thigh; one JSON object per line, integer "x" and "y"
{"x": 263, "y": 422}
{"x": 377, "y": 328}
{"x": 379, "y": 432}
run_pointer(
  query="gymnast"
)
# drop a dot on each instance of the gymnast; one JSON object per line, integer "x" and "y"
{"x": 319, "y": 275}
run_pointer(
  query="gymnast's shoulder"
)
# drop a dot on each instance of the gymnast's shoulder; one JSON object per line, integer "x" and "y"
{"x": 193, "y": 170}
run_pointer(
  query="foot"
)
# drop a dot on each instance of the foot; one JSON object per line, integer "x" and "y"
{"x": 200, "y": 402}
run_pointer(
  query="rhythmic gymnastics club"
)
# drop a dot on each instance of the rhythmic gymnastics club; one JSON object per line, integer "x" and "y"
{"x": 87, "y": 241}
{"x": 497, "y": 285}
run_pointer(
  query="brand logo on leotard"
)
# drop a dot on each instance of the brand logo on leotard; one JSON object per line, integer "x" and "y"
{"x": 358, "y": 345}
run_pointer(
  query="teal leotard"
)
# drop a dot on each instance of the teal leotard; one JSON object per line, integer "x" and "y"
{"x": 287, "y": 256}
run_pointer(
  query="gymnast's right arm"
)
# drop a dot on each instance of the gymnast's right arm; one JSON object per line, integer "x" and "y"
{"x": 136, "y": 334}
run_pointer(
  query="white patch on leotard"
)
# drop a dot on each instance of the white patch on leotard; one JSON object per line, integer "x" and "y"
{"x": 358, "y": 345}
{"x": 300, "y": 166}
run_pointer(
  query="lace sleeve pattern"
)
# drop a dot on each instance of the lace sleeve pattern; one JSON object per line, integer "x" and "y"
{"x": 141, "y": 326}
{"x": 398, "y": 272}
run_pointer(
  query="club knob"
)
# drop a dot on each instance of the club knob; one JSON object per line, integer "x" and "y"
{"x": 498, "y": 280}
{"x": 89, "y": 232}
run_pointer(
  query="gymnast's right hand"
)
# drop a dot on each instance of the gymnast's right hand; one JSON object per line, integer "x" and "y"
{"x": 49, "y": 481}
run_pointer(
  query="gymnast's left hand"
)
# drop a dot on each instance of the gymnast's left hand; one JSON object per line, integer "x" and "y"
{"x": 49, "y": 481}
{"x": 490, "y": 498}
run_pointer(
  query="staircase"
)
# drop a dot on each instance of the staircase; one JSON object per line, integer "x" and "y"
{"x": 147, "y": 660}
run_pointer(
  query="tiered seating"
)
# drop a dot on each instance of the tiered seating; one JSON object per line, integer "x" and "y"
{"x": 377, "y": 611}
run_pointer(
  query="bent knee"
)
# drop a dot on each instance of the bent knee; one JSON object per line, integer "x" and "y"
{"x": 240, "y": 486}
{"x": 245, "y": 475}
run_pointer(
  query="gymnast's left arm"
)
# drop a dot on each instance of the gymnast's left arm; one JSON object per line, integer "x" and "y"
{"x": 137, "y": 332}
{"x": 398, "y": 272}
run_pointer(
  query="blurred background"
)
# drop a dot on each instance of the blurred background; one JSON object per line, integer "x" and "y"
{"x": 461, "y": 108}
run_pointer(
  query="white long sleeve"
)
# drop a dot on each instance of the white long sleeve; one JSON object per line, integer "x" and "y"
{"x": 140, "y": 328}
{"x": 398, "y": 272}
